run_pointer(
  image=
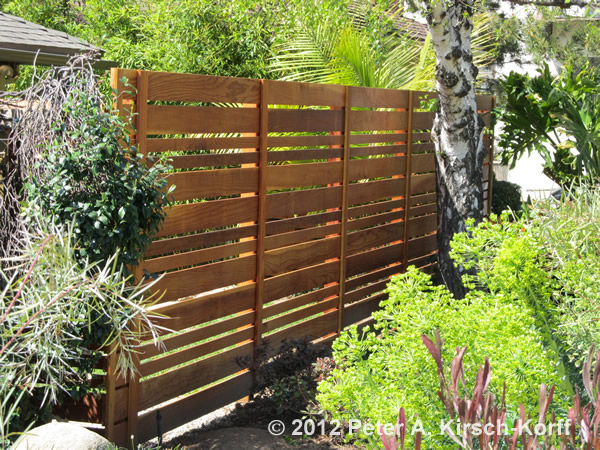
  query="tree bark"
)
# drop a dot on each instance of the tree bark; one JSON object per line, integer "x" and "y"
{"x": 457, "y": 130}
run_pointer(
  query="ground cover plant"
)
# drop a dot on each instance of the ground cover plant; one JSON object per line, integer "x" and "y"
{"x": 531, "y": 309}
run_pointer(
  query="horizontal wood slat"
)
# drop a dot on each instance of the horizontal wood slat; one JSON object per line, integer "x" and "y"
{"x": 301, "y": 300}
{"x": 226, "y": 159}
{"x": 303, "y": 141}
{"x": 302, "y": 155}
{"x": 184, "y": 283}
{"x": 302, "y": 280}
{"x": 360, "y": 169}
{"x": 378, "y": 98}
{"x": 196, "y": 405}
{"x": 172, "y": 119}
{"x": 213, "y": 183}
{"x": 300, "y": 255}
{"x": 315, "y": 328}
{"x": 302, "y": 222}
{"x": 378, "y": 120}
{"x": 184, "y": 87}
{"x": 288, "y": 204}
{"x": 300, "y": 314}
{"x": 293, "y": 93}
{"x": 242, "y": 320}
{"x": 156, "y": 390}
{"x": 212, "y": 214}
{"x": 301, "y": 175}
{"x": 305, "y": 120}
{"x": 194, "y": 241}
{"x": 296, "y": 237}
{"x": 170, "y": 360}
{"x": 196, "y": 144}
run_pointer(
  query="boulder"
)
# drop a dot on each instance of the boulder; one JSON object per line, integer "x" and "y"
{"x": 62, "y": 435}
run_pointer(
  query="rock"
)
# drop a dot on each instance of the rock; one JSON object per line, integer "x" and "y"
{"x": 62, "y": 435}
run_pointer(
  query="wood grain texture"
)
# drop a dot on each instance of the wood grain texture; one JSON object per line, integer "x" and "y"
{"x": 195, "y": 241}
{"x": 374, "y": 208}
{"x": 315, "y": 328}
{"x": 303, "y": 175}
{"x": 242, "y": 320}
{"x": 378, "y": 98}
{"x": 301, "y": 255}
{"x": 361, "y": 241}
{"x": 378, "y": 120}
{"x": 195, "y": 257}
{"x": 192, "y": 406}
{"x": 300, "y": 300}
{"x": 164, "y": 86}
{"x": 305, "y": 120}
{"x": 303, "y": 141}
{"x": 375, "y": 190}
{"x": 374, "y": 138}
{"x": 303, "y": 313}
{"x": 213, "y": 214}
{"x": 195, "y": 161}
{"x": 374, "y": 150}
{"x": 302, "y": 280}
{"x": 302, "y": 222}
{"x": 158, "y": 145}
{"x": 303, "y": 155}
{"x": 306, "y": 94}
{"x": 289, "y": 204}
{"x": 360, "y": 169}
{"x": 174, "y": 119}
{"x": 213, "y": 183}
{"x": 371, "y": 260}
{"x": 170, "y": 360}
{"x": 174, "y": 383}
{"x": 184, "y": 283}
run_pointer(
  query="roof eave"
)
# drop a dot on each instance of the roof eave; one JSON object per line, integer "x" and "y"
{"x": 45, "y": 59}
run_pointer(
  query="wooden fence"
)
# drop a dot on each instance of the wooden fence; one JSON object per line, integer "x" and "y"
{"x": 295, "y": 205}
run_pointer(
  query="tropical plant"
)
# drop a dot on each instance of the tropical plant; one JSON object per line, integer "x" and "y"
{"x": 558, "y": 118}
{"x": 58, "y": 317}
{"x": 359, "y": 50}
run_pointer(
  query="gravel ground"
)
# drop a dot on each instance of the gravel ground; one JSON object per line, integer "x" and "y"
{"x": 242, "y": 426}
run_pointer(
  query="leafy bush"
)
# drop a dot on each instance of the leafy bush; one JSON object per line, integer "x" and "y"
{"x": 482, "y": 416}
{"x": 559, "y": 118}
{"x": 547, "y": 261}
{"x": 89, "y": 173}
{"x": 388, "y": 367}
{"x": 50, "y": 316}
{"x": 506, "y": 195}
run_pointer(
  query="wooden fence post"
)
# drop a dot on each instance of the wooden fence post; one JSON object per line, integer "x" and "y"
{"x": 344, "y": 219}
{"x": 407, "y": 171}
{"x": 262, "y": 217}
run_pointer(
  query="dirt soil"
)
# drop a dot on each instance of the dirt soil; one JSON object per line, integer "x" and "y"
{"x": 244, "y": 426}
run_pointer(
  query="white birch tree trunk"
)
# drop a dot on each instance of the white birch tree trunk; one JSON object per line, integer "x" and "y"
{"x": 457, "y": 130}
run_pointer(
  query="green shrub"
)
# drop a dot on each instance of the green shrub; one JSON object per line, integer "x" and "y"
{"x": 389, "y": 367}
{"x": 506, "y": 195}
{"x": 87, "y": 176}
{"x": 547, "y": 261}
{"x": 77, "y": 164}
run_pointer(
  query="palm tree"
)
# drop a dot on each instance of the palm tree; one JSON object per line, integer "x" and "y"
{"x": 347, "y": 51}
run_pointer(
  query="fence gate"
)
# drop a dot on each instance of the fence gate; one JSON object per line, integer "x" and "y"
{"x": 295, "y": 204}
